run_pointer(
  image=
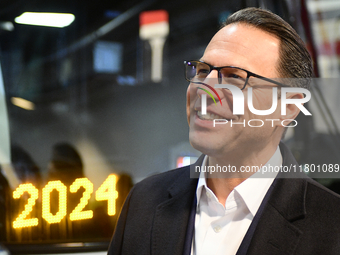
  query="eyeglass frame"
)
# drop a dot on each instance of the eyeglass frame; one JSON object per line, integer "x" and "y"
{"x": 218, "y": 69}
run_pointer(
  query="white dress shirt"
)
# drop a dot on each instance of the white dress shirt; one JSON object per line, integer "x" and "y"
{"x": 220, "y": 229}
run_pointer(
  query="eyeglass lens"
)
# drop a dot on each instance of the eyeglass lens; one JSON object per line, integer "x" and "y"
{"x": 198, "y": 71}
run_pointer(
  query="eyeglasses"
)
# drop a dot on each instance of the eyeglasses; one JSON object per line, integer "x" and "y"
{"x": 197, "y": 71}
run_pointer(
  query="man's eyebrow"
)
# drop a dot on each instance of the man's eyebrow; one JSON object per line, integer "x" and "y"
{"x": 239, "y": 66}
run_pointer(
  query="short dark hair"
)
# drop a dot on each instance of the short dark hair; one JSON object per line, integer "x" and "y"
{"x": 295, "y": 60}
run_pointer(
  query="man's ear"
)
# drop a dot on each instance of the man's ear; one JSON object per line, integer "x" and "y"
{"x": 292, "y": 110}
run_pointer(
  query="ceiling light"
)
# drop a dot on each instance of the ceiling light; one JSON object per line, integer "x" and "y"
{"x": 47, "y": 19}
{"x": 22, "y": 103}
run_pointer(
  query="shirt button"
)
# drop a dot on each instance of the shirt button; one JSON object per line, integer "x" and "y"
{"x": 208, "y": 194}
{"x": 217, "y": 229}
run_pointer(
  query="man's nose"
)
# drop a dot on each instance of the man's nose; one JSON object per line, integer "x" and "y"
{"x": 201, "y": 91}
{"x": 213, "y": 75}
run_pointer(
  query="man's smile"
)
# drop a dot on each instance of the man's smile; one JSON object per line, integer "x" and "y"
{"x": 209, "y": 116}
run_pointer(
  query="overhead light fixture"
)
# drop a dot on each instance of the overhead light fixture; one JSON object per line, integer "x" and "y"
{"x": 22, "y": 103}
{"x": 47, "y": 19}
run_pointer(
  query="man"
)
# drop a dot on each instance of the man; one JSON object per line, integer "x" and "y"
{"x": 232, "y": 212}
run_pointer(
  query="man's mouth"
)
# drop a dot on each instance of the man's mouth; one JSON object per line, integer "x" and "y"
{"x": 210, "y": 116}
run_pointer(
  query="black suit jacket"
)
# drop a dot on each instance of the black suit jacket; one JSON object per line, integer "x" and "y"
{"x": 299, "y": 217}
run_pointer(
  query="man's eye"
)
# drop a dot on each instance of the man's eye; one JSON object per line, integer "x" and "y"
{"x": 202, "y": 71}
{"x": 232, "y": 75}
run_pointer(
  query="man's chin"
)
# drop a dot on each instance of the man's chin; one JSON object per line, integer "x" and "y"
{"x": 206, "y": 147}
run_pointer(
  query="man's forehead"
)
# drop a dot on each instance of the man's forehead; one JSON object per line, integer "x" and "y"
{"x": 244, "y": 46}
{"x": 233, "y": 29}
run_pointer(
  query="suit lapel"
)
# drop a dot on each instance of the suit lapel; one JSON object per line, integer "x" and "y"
{"x": 276, "y": 232}
{"x": 169, "y": 233}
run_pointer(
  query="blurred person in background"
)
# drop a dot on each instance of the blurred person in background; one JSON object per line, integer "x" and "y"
{"x": 65, "y": 164}
{"x": 24, "y": 166}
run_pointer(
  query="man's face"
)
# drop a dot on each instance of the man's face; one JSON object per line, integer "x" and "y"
{"x": 254, "y": 50}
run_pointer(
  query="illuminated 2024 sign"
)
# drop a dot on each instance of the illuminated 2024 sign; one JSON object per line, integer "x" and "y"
{"x": 107, "y": 191}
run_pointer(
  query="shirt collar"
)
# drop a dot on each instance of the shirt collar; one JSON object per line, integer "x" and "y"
{"x": 253, "y": 189}
{"x": 201, "y": 180}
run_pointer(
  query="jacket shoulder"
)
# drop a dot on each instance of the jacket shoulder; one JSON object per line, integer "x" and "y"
{"x": 137, "y": 222}
{"x": 157, "y": 188}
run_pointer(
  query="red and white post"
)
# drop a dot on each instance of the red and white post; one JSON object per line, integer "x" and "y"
{"x": 154, "y": 27}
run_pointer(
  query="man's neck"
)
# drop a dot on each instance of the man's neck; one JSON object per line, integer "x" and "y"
{"x": 222, "y": 183}
{"x": 222, "y": 187}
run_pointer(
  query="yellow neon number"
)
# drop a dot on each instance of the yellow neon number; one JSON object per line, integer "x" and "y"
{"x": 77, "y": 213}
{"x": 107, "y": 191}
{"x": 21, "y": 220}
{"x": 46, "y": 200}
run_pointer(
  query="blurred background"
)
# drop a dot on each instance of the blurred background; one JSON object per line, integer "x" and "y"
{"x": 80, "y": 102}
